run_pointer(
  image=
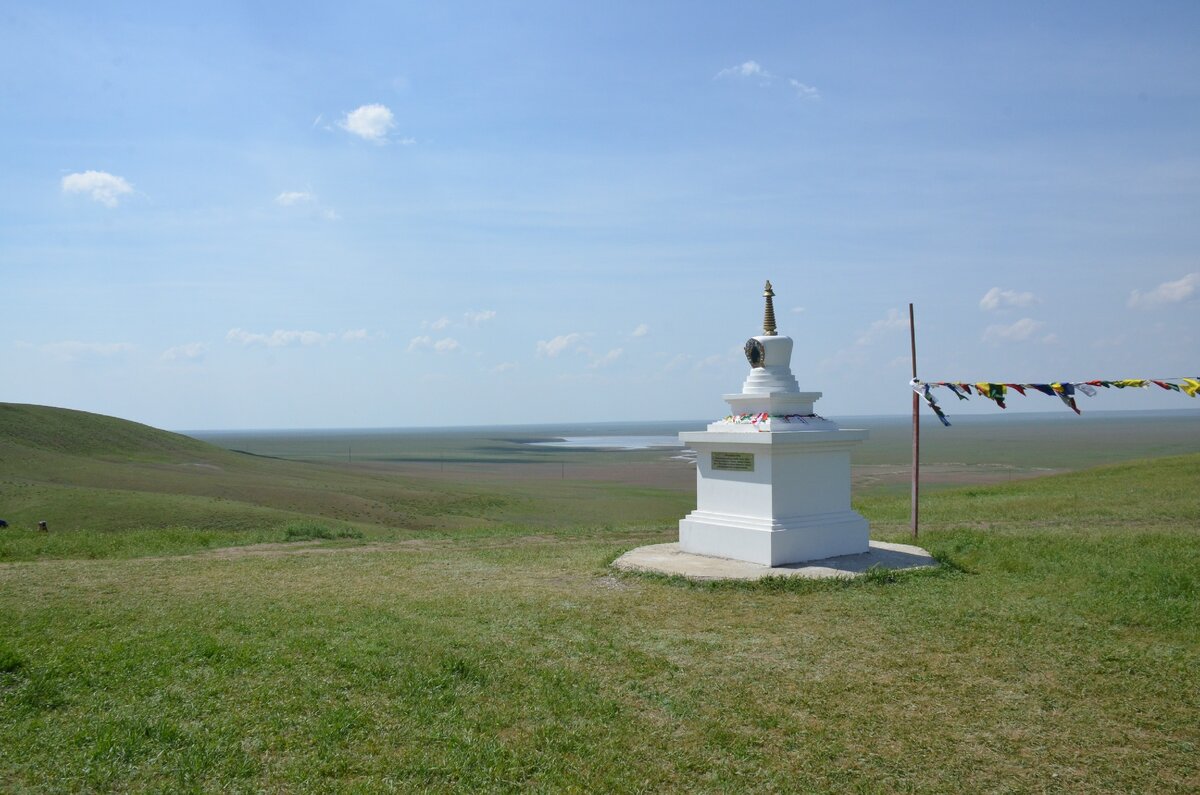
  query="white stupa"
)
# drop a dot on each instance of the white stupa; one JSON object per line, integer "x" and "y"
{"x": 773, "y": 478}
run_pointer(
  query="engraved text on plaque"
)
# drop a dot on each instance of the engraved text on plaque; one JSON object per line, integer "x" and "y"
{"x": 733, "y": 462}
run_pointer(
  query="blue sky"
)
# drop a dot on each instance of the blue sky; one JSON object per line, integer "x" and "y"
{"x": 435, "y": 214}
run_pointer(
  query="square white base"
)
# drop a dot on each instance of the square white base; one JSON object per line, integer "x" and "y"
{"x": 775, "y": 542}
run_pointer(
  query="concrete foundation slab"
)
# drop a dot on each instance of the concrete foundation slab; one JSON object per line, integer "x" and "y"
{"x": 670, "y": 559}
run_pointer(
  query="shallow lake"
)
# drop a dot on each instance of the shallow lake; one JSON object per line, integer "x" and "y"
{"x": 613, "y": 442}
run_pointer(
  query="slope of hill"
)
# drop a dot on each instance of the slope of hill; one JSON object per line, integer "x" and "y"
{"x": 49, "y": 429}
{"x": 106, "y": 485}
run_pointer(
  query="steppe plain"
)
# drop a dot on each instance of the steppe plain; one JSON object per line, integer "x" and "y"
{"x": 439, "y": 615}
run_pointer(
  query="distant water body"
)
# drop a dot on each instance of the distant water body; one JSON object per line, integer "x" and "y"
{"x": 613, "y": 442}
{"x": 542, "y": 432}
{"x": 1059, "y": 440}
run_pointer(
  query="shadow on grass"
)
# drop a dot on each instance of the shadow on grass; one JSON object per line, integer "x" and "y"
{"x": 874, "y": 577}
{"x": 304, "y": 530}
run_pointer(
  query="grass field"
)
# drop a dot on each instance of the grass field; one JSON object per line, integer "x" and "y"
{"x": 376, "y": 630}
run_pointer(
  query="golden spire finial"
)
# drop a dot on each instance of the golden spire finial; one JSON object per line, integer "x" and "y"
{"x": 769, "y": 314}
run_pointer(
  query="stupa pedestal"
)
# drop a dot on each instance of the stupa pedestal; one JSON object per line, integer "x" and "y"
{"x": 773, "y": 478}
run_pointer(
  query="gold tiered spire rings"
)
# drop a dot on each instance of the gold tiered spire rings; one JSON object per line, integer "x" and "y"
{"x": 769, "y": 313}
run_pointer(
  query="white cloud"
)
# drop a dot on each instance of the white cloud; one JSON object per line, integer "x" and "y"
{"x": 797, "y": 309}
{"x": 747, "y": 69}
{"x": 475, "y": 318}
{"x": 996, "y": 298}
{"x": 370, "y": 122}
{"x": 425, "y": 342}
{"x": 559, "y": 344}
{"x": 289, "y": 197}
{"x": 1019, "y": 331}
{"x": 803, "y": 90}
{"x": 308, "y": 199}
{"x": 890, "y": 322}
{"x": 1166, "y": 293}
{"x": 641, "y": 331}
{"x": 74, "y": 349}
{"x": 279, "y": 338}
{"x": 100, "y": 185}
{"x": 436, "y": 325}
{"x": 504, "y": 367}
{"x": 356, "y": 335}
{"x": 607, "y": 358}
{"x": 191, "y": 352}
{"x": 755, "y": 70}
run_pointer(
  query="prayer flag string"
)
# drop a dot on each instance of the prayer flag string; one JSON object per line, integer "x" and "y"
{"x": 1063, "y": 390}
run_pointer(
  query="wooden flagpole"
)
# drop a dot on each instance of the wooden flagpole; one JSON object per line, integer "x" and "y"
{"x": 916, "y": 427}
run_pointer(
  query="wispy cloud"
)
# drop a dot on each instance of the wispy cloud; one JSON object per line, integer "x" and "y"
{"x": 606, "y": 359}
{"x": 282, "y": 338}
{"x": 504, "y": 367}
{"x": 471, "y": 319}
{"x": 425, "y": 342}
{"x": 677, "y": 361}
{"x": 476, "y": 318}
{"x": 889, "y": 323}
{"x": 803, "y": 90}
{"x": 641, "y": 331}
{"x": 563, "y": 342}
{"x": 1166, "y": 293}
{"x": 70, "y": 350}
{"x": 753, "y": 70}
{"x": 358, "y": 335}
{"x": 747, "y": 69}
{"x": 307, "y": 202}
{"x": 369, "y": 122}
{"x": 98, "y": 185}
{"x": 997, "y": 298}
{"x": 290, "y": 197}
{"x": 1018, "y": 331}
{"x": 190, "y": 352}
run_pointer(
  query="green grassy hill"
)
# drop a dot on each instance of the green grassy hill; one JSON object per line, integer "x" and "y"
{"x": 109, "y": 487}
{"x": 26, "y": 428}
